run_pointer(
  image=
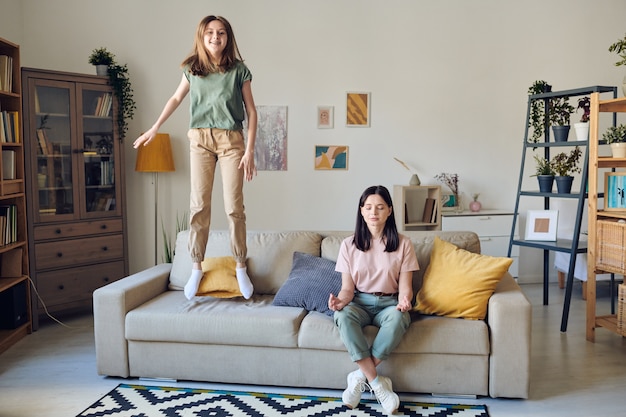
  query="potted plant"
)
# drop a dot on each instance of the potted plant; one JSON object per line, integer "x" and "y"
{"x": 453, "y": 202}
{"x": 560, "y": 112}
{"x": 101, "y": 58}
{"x": 536, "y": 118}
{"x": 544, "y": 173}
{"x": 615, "y": 136}
{"x": 582, "y": 127}
{"x": 619, "y": 48}
{"x": 564, "y": 165}
{"x": 120, "y": 82}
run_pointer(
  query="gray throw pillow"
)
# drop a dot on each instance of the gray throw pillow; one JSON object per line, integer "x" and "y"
{"x": 310, "y": 283}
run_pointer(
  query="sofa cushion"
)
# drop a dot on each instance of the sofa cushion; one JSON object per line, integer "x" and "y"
{"x": 426, "y": 334}
{"x": 459, "y": 283}
{"x": 269, "y": 256}
{"x": 310, "y": 282}
{"x": 170, "y": 317}
{"x": 219, "y": 278}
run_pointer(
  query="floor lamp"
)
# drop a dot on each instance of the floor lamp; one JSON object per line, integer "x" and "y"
{"x": 156, "y": 157}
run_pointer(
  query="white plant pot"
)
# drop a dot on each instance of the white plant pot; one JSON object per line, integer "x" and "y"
{"x": 618, "y": 150}
{"x": 582, "y": 130}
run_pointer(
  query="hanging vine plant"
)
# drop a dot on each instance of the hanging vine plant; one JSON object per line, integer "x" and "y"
{"x": 537, "y": 117}
{"x": 120, "y": 81}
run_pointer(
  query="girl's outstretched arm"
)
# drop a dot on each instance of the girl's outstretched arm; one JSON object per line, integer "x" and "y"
{"x": 171, "y": 105}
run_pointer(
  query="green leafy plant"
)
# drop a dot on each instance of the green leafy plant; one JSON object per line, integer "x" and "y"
{"x": 101, "y": 56}
{"x": 120, "y": 81}
{"x": 615, "y": 134}
{"x": 619, "y": 48}
{"x": 169, "y": 251}
{"x": 544, "y": 166}
{"x": 584, "y": 103}
{"x": 560, "y": 111}
{"x": 565, "y": 164}
{"x": 537, "y": 116}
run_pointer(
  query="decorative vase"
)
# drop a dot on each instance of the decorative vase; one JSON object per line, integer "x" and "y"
{"x": 564, "y": 184}
{"x": 560, "y": 133}
{"x": 582, "y": 130}
{"x": 618, "y": 150}
{"x": 545, "y": 183}
{"x": 102, "y": 70}
{"x": 475, "y": 206}
{"x": 415, "y": 180}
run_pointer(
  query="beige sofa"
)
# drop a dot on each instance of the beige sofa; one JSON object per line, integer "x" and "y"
{"x": 143, "y": 328}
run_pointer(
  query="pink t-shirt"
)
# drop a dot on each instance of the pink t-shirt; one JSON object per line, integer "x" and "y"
{"x": 376, "y": 270}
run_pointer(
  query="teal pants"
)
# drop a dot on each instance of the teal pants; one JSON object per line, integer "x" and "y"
{"x": 368, "y": 309}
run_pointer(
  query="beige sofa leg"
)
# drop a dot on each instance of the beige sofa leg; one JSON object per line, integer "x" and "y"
{"x": 561, "y": 277}
{"x": 585, "y": 290}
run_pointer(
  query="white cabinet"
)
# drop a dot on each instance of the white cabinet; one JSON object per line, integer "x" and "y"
{"x": 493, "y": 228}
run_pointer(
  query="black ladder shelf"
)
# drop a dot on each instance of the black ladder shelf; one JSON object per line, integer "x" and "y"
{"x": 573, "y": 246}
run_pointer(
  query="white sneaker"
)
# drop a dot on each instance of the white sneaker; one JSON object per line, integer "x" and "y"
{"x": 388, "y": 399}
{"x": 357, "y": 384}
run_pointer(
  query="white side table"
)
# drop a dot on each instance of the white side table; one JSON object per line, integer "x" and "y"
{"x": 493, "y": 228}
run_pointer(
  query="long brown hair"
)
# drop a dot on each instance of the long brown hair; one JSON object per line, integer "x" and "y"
{"x": 198, "y": 60}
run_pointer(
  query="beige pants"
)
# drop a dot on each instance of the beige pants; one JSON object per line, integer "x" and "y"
{"x": 207, "y": 147}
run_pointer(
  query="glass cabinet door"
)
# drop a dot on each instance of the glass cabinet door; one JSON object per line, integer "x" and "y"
{"x": 53, "y": 160}
{"x": 96, "y": 152}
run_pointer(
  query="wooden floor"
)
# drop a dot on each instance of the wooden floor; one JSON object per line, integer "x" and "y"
{"x": 52, "y": 372}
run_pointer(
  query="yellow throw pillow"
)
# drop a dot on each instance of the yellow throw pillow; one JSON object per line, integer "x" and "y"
{"x": 458, "y": 283}
{"x": 219, "y": 278}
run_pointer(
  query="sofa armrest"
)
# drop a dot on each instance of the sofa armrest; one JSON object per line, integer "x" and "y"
{"x": 509, "y": 317}
{"x": 111, "y": 303}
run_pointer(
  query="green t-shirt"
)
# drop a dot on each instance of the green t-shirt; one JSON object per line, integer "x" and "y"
{"x": 216, "y": 100}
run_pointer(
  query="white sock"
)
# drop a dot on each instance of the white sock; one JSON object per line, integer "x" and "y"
{"x": 245, "y": 285}
{"x": 191, "y": 287}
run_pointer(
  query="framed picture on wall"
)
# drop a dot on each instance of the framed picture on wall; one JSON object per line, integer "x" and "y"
{"x": 358, "y": 109}
{"x": 325, "y": 117}
{"x": 331, "y": 157}
{"x": 541, "y": 224}
{"x": 614, "y": 193}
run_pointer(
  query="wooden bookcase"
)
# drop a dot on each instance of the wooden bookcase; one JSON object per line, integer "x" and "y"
{"x": 75, "y": 188}
{"x": 15, "y": 311}
{"x": 606, "y": 252}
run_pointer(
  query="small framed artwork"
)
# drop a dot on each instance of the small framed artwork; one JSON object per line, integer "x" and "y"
{"x": 358, "y": 108}
{"x": 325, "y": 117}
{"x": 331, "y": 157}
{"x": 614, "y": 193}
{"x": 541, "y": 224}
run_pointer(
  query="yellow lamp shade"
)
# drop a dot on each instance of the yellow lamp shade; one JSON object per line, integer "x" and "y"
{"x": 156, "y": 156}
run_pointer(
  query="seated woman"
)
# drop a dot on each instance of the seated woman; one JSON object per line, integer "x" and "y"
{"x": 376, "y": 266}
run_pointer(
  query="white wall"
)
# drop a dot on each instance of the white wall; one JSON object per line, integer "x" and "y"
{"x": 448, "y": 80}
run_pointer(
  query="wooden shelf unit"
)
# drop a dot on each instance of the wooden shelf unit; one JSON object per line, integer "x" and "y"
{"x": 75, "y": 188}
{"x": 14, "y": 250}
{"x": 597, "y": 163}
{"x": 409, "y": 203}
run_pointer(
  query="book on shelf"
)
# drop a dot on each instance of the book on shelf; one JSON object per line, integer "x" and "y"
{"x": 45, "y": 146}
{"x": 8, "y": 224}
{"x": 433, "y": 218}
{"x": 429, "y": 208}
{"x": 6, "y": 73}
{"x": 103, "y": 105}
{"x": 8, "y": 164}
{"x": 10, "y": 127}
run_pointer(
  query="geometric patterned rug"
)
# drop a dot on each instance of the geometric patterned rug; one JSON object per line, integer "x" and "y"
{"x": 150, "y": 401}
